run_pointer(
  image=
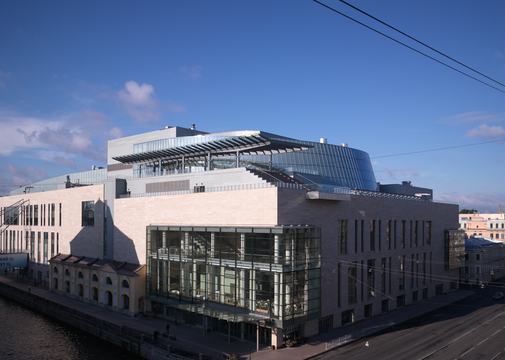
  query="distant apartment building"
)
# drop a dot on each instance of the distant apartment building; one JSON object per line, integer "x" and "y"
{"x": 484, "y": 225}
{"x": 484, "y": 261}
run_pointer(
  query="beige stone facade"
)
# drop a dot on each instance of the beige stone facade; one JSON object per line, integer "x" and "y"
{"x": 483, "y": 225}
{"x": 118, "y": 286}
{"x": 50, "y": 223}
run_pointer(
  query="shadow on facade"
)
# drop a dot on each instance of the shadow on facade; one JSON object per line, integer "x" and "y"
{"x": 91, "y": 240}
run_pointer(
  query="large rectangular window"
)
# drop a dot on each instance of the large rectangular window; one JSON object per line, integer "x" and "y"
{"x": 401, "y": 277}
{"x": 352, "y": 281}
{"x": 428, "y": 233}
{"x": 383, "y": 276}
{"x": 342, "y": 236}
{"x": 416, "y": 234}
{"x": 372, "y": 235}
{"x": 356, "y": 230}
{"x": 52, "y": 245}
{"x": 88, "y": 213}
{"x": 39, "y": 247}
{"x": 362, "y": 235}
{"x": 412, "y": 262}
{"x": 32, "y": 246}
{"x": 403, "y": 233}
{"x": 35, "y": 215}
{"x": 275, "y": 271}
{"x": 11, "y": 215}
{"x": 44, "y": 254}
{"x": 52, "y": 214}
{"x": 370, "y": 278}
{"x": 388, "y": 234}
{"x": 379, "y": 230}
{"x": 347, "y": 317}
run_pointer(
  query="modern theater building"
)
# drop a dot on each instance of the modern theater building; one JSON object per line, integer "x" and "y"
{"x": 237, "y": 230}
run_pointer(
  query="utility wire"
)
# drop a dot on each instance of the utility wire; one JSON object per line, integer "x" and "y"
{"x": 407, "y": 46}
{"x": 445, "y": 148}
{"x": 420, "y": 42}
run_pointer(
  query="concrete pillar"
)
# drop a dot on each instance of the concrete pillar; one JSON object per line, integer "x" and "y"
{"x": 212, "y": 244}
{"x": 277, "y": 337}
{"x": 186, "y": 243}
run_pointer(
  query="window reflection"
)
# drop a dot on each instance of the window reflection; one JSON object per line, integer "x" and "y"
{"x": 273, "y": 271}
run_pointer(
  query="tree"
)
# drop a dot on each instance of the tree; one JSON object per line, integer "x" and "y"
{"x": 467, "y": 211}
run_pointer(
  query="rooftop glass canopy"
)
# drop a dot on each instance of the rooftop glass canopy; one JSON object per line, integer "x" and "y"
{"x": 256, "y": 144}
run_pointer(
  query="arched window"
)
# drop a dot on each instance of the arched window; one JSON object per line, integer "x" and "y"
{"x": 108, "y": 298}
{"x": 94, "y": 293}
{"x": 55, "y": 283}
{"x": 108, "y": 281}
{"x": 125, "y": 284}
{"x": 67, "y": 272}
{"x": 80, "y": 290}
{"x": 67, "y": 286}
{"x": 94, "y": 278}
{"x": 125, "y": 302}
{"x": 55, "y": 269}
{"x": 79, "y": 274}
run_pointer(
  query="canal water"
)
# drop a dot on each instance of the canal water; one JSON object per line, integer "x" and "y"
{"x": 26, "y": 335}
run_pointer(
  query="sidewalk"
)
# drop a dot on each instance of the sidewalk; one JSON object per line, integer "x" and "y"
{"x": 213, "y": 342}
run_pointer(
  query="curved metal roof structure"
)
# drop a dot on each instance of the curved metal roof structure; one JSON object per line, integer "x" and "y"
{"x": 246, "y": 145}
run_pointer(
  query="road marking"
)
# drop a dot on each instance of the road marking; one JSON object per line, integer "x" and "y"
{"x": 496, "y": 356}
{"x": 496, "y": 333}
{"x": 460, "y": 337}
{"x": 482, "y": 341}
{"x": 466, "y": 352}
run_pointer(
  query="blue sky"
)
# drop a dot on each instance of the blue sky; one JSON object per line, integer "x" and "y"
{"x": 74, "y": 75}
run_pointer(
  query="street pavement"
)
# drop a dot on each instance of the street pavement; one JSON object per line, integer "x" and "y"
{"x": 214, "y": 342}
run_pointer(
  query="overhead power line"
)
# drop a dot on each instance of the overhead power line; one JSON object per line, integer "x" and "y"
{"x": 409, "y": 47}
{"x": 445, "y": 148}
{"x": 420, "y": 42}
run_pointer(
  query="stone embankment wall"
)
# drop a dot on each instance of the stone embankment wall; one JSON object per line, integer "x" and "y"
{"x": 139, "y": 341}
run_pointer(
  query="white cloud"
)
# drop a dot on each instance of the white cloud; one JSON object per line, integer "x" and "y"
{"x": 176, "y": 107}
{"x": 486, "y": 132}
{"x": 396, "y": 174}
{"x": 116, "y": 133}
{"x": 138, "y": 101}
{"x": 193, "y": 72}
{"x": 478, "y": 201}
{"x": 473, "y": 116}
{"x": 59, "y": 140}
{"x": 25, "y": 175}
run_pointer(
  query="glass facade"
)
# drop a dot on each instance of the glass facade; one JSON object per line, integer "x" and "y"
{"x": 454, "y": 249}
{"x": 322, "y": 163}
{"x": 90, "y": 177}
{"x": 237, "y": 274}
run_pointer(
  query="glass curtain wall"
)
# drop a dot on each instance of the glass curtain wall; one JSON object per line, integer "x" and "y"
{"x": 274, "y": 272}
